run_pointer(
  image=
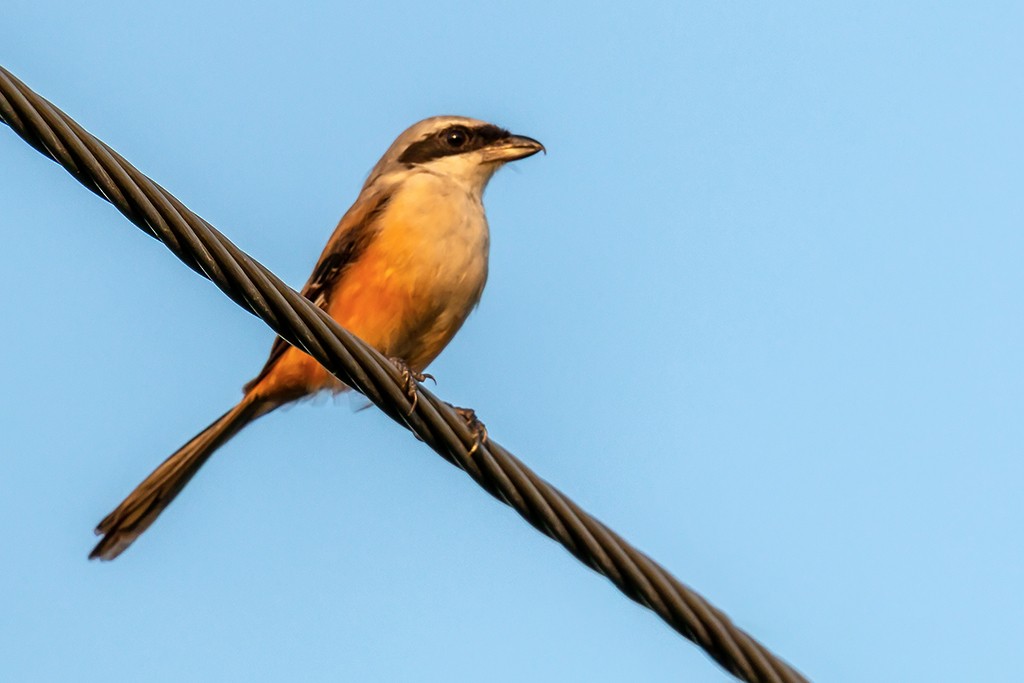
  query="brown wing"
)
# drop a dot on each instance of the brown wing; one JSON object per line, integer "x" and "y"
{"x": 354, "y": 233}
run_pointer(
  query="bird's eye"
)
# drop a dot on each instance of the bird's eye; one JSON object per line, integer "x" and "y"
{"x": 456, "y": 137}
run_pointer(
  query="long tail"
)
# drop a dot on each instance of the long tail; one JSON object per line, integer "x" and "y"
{"x": 141, "y": 508}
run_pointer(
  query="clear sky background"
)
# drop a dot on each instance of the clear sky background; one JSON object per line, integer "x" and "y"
{"x": 759, "y": 309}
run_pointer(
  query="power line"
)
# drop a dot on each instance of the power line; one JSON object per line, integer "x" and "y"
{"x": 201, "y": 247}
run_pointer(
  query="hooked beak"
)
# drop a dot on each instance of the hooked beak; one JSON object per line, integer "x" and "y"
{"x": 511, "y": 148}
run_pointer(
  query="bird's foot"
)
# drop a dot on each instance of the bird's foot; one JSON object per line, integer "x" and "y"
{"x": 410, "y": 378}
{"x": 478, "y": 428}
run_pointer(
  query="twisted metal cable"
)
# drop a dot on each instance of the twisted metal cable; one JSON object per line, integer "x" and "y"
{"x": 201, "y": 247}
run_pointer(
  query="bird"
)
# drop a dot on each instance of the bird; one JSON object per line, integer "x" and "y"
{"x": 402, "y": 271}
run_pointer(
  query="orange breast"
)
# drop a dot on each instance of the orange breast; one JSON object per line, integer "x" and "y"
{"x": 409, "y": 291}
{"x": 377, "y": 298}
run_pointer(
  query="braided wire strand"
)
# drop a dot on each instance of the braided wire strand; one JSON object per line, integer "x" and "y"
{"x": 202, "y": 248}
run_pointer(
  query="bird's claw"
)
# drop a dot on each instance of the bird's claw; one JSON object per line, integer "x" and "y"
{"x": 409, "y": 380}
{"x": 478, "y": 428}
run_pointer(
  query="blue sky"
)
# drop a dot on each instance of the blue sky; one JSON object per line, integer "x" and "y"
{"x": 759, "y": 309}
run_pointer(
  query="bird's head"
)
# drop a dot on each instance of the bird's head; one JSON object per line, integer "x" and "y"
{"x": 467, "y": 150}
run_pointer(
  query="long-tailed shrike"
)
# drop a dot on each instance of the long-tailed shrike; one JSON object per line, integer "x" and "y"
{"x": 402, "y": 271}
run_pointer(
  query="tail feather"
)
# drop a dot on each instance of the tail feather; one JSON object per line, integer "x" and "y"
{"x": 141, "y": 508}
